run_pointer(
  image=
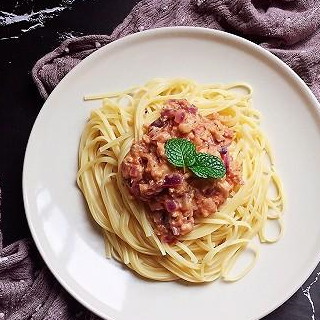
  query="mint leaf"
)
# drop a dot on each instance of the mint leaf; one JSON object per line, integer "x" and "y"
{"x": 208, "y": 166}
{"x": 180, "y": 152}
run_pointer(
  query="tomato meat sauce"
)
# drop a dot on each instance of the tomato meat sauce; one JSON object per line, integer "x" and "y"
{"x": 175, "y": 197}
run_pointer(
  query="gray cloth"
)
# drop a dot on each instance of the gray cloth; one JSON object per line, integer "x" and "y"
{"x": 289, "y": 29}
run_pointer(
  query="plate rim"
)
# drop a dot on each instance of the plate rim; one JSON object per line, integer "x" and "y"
{"x": 169, "y": 31}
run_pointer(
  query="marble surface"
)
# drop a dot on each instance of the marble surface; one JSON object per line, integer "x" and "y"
{"x": 28, "y": 30}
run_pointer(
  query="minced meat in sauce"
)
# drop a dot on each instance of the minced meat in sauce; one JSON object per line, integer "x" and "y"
{"x": 175, "y": 196}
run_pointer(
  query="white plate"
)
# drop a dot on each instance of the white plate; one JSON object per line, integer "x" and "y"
{"x": 73, "y": 249}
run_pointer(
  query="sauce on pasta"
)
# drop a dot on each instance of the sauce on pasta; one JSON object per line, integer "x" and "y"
{"x": 175, "y": 196}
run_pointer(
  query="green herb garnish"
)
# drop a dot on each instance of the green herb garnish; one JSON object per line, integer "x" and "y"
{"x": 182, "y": 153}
{"x": 208, "y": 166}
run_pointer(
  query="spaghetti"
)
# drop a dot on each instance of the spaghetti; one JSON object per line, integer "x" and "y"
{"x": 211, "y": 249}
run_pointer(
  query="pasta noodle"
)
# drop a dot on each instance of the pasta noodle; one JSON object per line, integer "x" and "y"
{"x": 211, "y": 249}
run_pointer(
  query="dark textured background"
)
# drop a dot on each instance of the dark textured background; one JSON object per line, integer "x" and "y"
{"x": 28, "y": 30}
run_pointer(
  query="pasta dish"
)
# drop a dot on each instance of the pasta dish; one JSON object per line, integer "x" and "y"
{"x": 180, "y": 178}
